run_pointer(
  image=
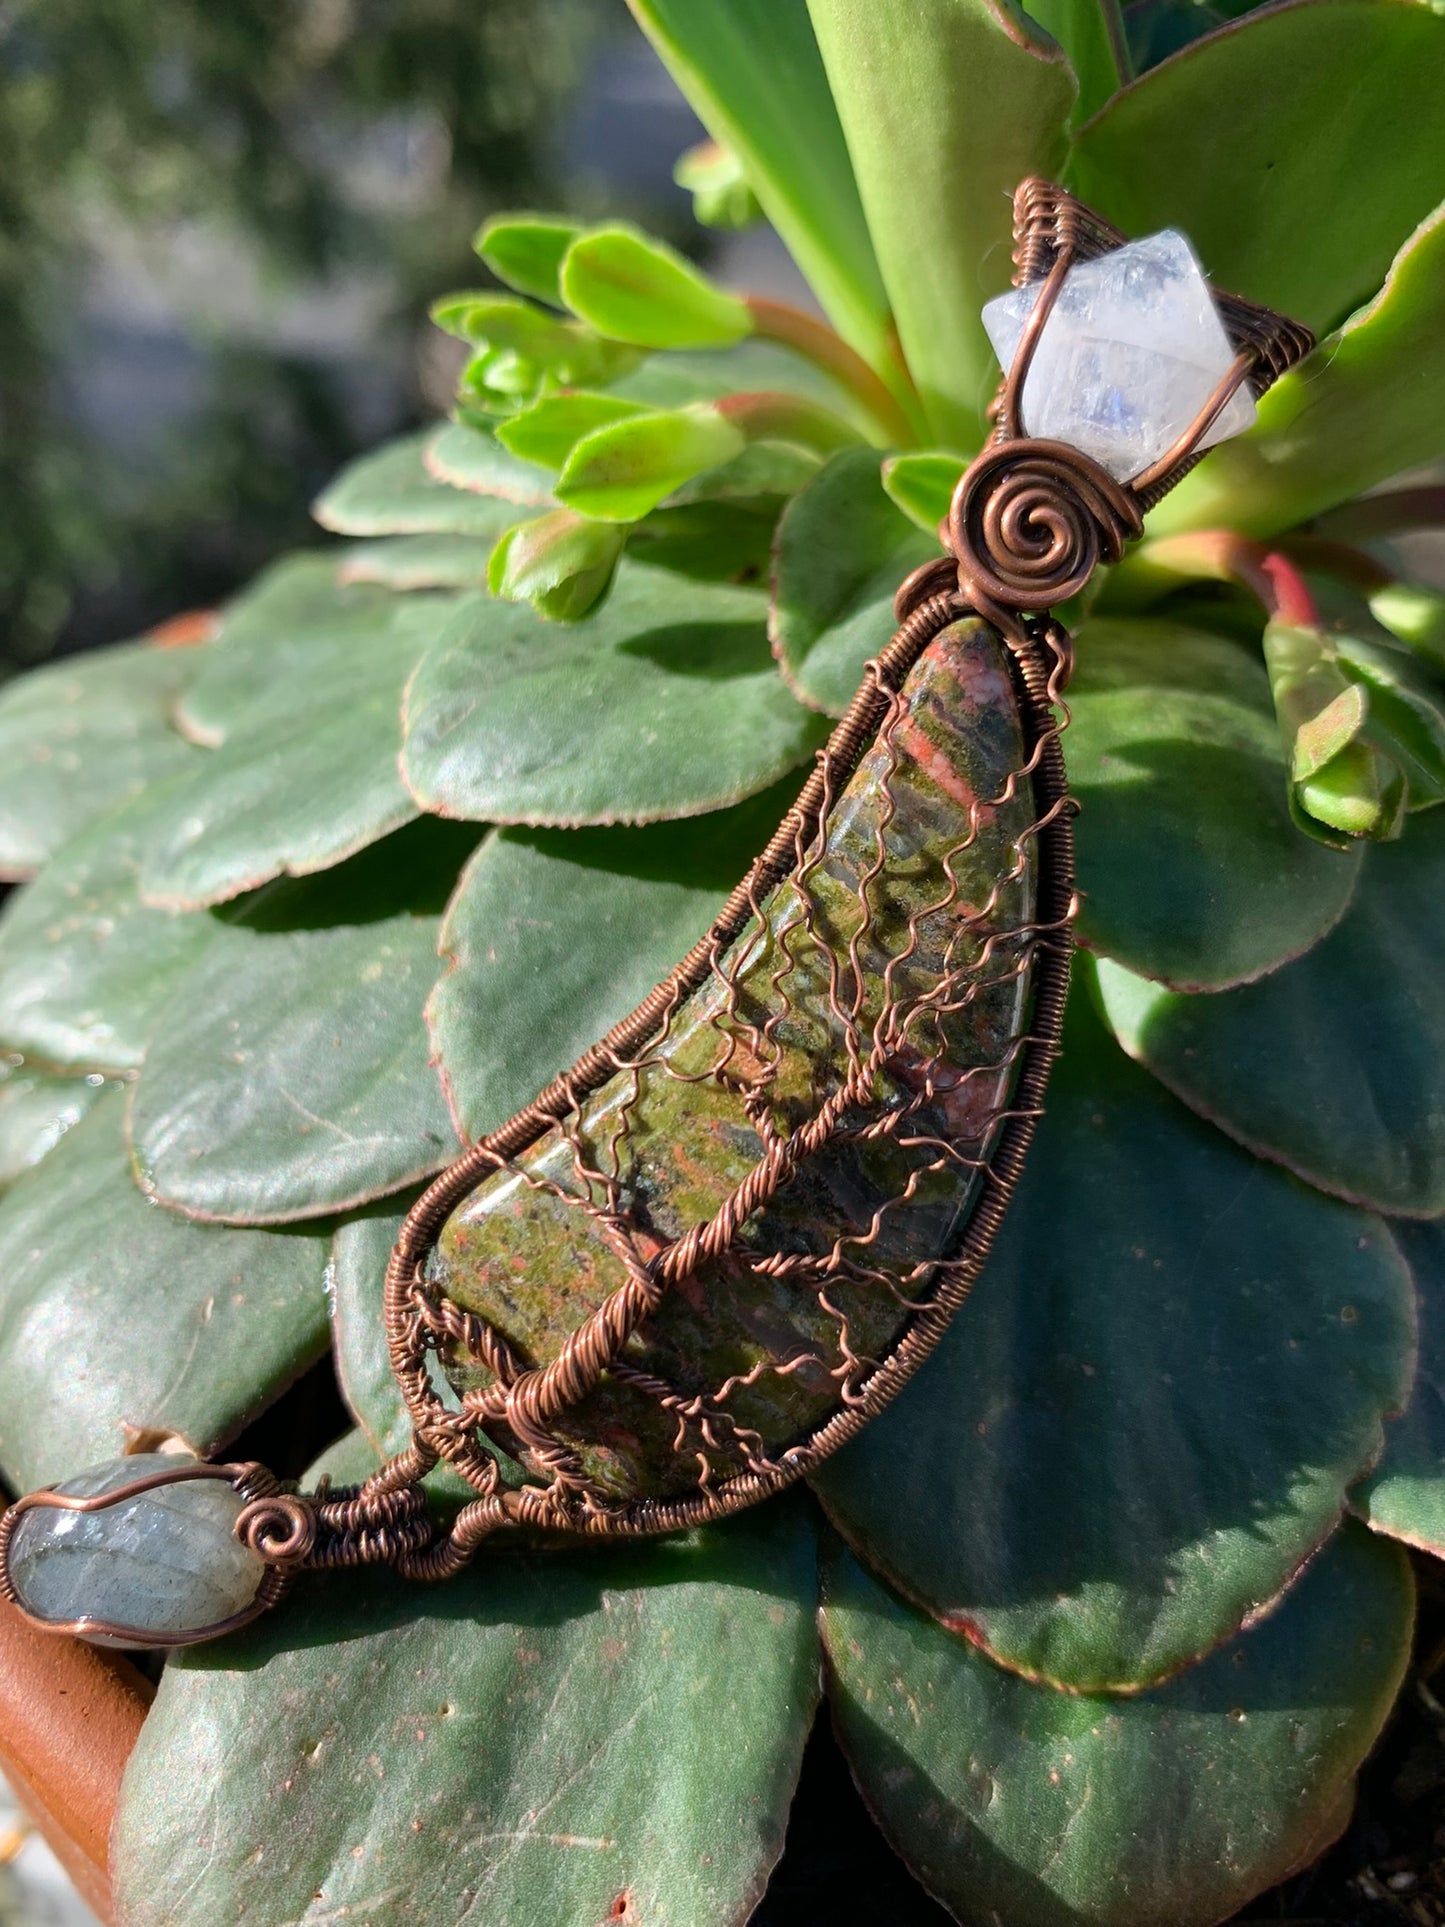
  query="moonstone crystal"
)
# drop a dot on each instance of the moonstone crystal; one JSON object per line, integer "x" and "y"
{"x": 1131, "y": 353}
{"x": 165, "y": 1562}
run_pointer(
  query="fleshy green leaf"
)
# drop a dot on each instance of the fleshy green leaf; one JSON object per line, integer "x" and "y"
{"x": 1192, "y": 869}
{"x": 663, "y": 703}
{"x": 947, "y": 105}
{"x": 842, "y": 549}
{"x": 1293, "y": 207}
{"x": 553, "y": 936}
{"x": 79, "y": 737}
{"x": 922, "y": 485}
{"x": 36, "y": 1111}
{"x": 752, "y": 367}
{"x": 1368, "y": 404}
{"x": 408, "y": 562}
{"x": 1149, "y": 1412}
{"x": 1334, "y": 1066}
{"x": 714, "y": 176}
{"x": 1416, "y": 616}
{"x": 394, "y": 492}
{"x": 620, "y": 472}
{"x": 1091, "y": 33}
{"x": 1014, "y": 1803}
{"x": 307, "y": 773}
{"x": 548, "y": 431}
{"x": 526, "y": 250}
{"x": 118, "y": 1321}
{"x": 635, "y": 289}
{"x": 1404, "y": 1497}
{"x": 597, "y": 1735}
{"x": 85, "y": 967}
{"x": 290, "y": 1077}
{"x": 563, "y": 562}
{"x": 752, "y": 71}
{"x": 468, "y": 458}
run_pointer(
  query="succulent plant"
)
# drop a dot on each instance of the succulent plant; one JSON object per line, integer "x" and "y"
{"x": 1113, "y": 1601}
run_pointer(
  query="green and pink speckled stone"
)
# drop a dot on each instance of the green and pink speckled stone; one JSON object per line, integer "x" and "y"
{"x": 535, "y": 1267}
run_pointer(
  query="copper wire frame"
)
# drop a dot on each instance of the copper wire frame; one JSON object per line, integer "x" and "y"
{"x": 1029, "y": 522}
{"x": 253, "y": 1481}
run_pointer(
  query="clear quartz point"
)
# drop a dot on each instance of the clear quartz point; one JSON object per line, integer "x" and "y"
{"x": 1131, "y": 353}
{"x": 166, "y": 1562}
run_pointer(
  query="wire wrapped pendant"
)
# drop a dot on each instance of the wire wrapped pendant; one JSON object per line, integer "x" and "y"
{"x": 709, "y": 1252}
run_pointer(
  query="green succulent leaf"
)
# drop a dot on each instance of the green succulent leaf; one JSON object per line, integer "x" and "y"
{"x": 562, "y": 562}
{"x": 37, "y": 1108}
{"x": 408, "y": 562}
{"x": 922, "y": 485}
{"x": 553, "y": 936}
{"x": 1091, "y": 33}
{"x": 620, "y": 472}
{"x": 1192, "y": 869}
{"x": 119, "y": 1322}
{"x": 1170, "y": 1809}
{"x": 548, "y": 431}
{"x": 473, "y": 459}
{"x": 603, "y": 1734}
{"x": 947, "y": 105}
{"x": 526, "y": 251}
{"x": 1334, "y": 1066}
{"x": 1367, "y": 405}
{"x": 306, "y": 774}
{"x": 842, "y": 549}
{"x": 395, "y": 492}
{"x": 752, "y": 367}
{"x": 502, "y": 321}
{"x": 635, "y": 289}
{"x": 1404, "y": 1497}
{"x": 1296, "y": 208}
{"x": 1416, "y": 616}
{"x": 762, "y": 477}
{"x": 715, "y": 178}
{"x": 291, "y": 1075}
{"x": 79, "y": 737}
{"x": 85, "y": 967}
{"x": 1176, "y": 1364}
{"x": 663, "y": 703}
{"x": 752, "y": 71}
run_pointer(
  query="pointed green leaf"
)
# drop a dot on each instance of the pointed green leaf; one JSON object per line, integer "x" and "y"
{"x": 633, "y": 288}
{"x": 596, "y": 1735}
{"x": 620, "y": 472}
{"x": 1295, "y": 208}
{"x": 842, "y": 549}
{"x": 291, "y": 1076}
{"x": 563, "y": 562}
{"x": 467, "y": 458}
{"x": 1013, "y": 1803}
{"x": 1192, "y": 869}
{"x": 1404, "y": 1497}
{"x": 663, "y": 703}
{"x": 715, "y": 178}
{"x": 118, "y": 1320}
{"x": 1150, "y": 1410}
{"x": 502, "y": 321}
{"x": 553, "y": 936}
{"x": 526, "y": 251}
{"x": 307, "y": 773}
{"x": 1091, "y": 33}
{"x": 85, "y": 967}
{"x": 947, "y": 105}
{"x": 752, "y": 71}
{"x": 548, "y": 431}
{"x": 408, "y": 562}
{"x": 1334, "y": 1066}
{"x": 1367, "y": 405}
{"x": 394, "y": 492}
{"x": 922, "y": 485}
{"x": 765, "y": 474}
{"x": 36, "y": 1110}
{"x": 79, "y": 737}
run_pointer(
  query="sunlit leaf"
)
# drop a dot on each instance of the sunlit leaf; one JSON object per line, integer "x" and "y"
{"x": 633, "y": 288}
{"x": 526, "y": 250}
{"x": 620, "y": 472}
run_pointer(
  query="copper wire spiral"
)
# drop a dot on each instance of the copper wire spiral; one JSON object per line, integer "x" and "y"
{"x": 279, "y": 1528}
{"x": 1031, "y": 520}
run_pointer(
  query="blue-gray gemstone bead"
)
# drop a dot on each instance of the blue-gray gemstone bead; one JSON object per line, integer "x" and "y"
{"x": 166, "y": 1562}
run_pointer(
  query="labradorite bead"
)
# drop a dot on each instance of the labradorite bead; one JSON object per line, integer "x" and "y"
{"x": 164, "y": 1562}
